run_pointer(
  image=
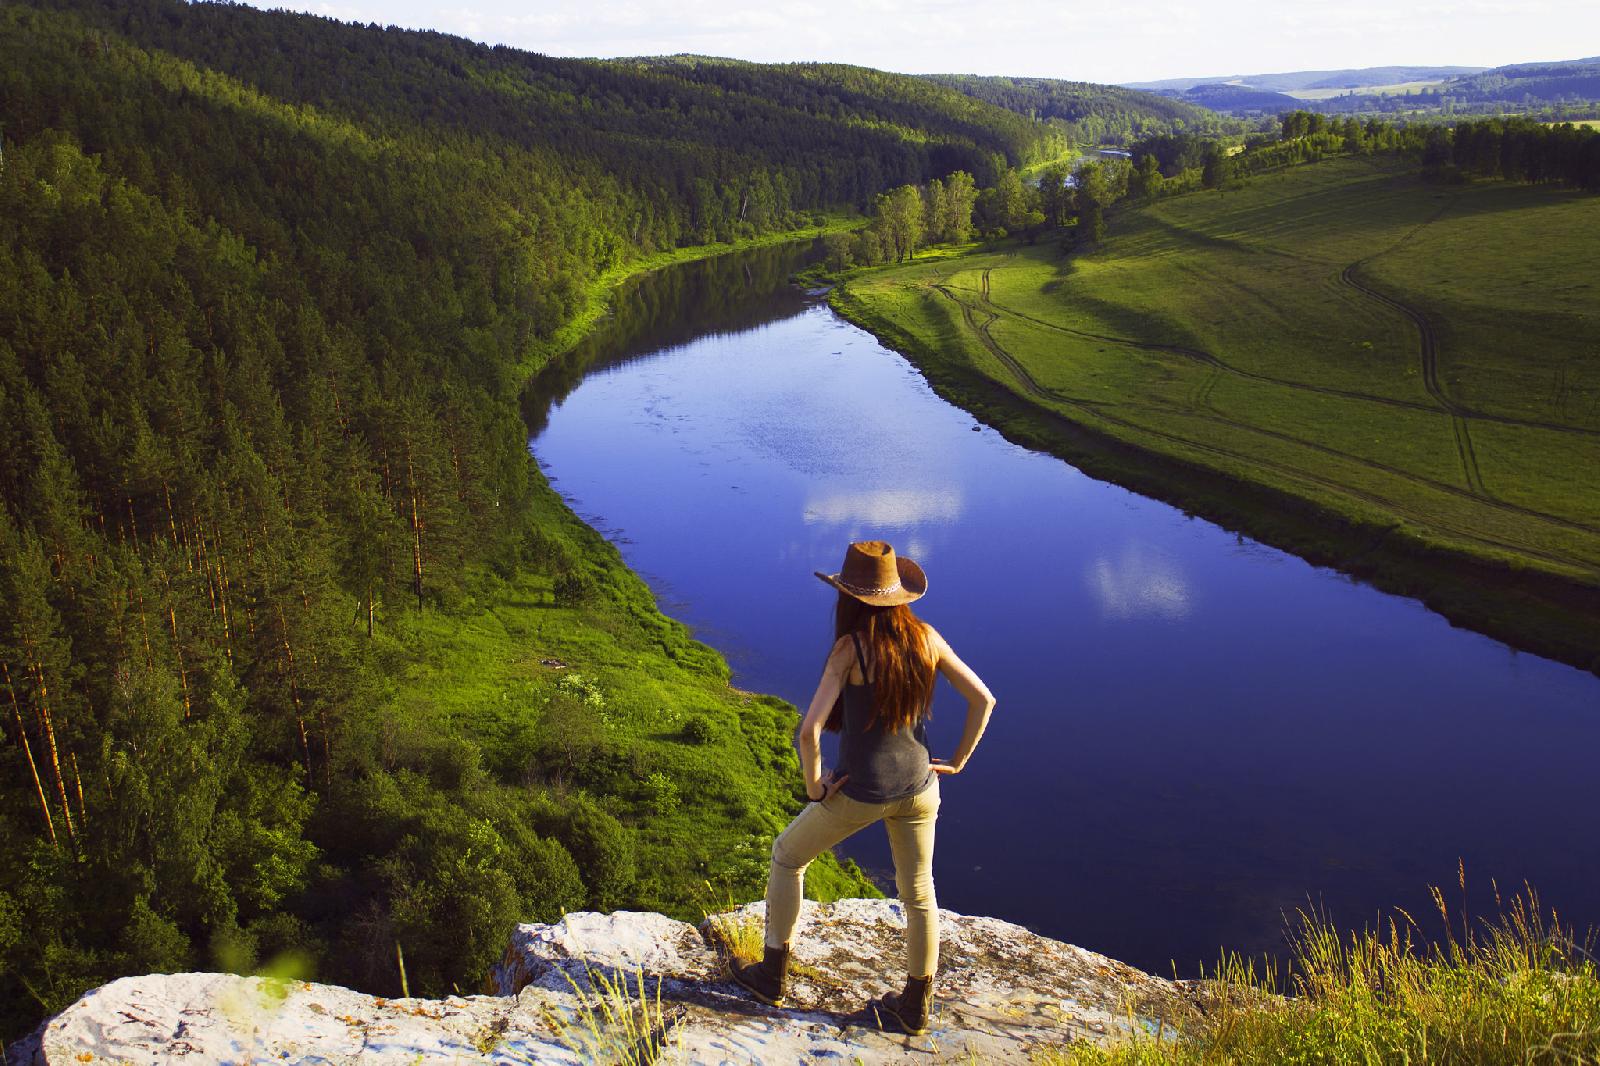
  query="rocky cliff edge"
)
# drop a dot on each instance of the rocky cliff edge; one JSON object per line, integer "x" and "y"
{"x": 1003, "y": 994}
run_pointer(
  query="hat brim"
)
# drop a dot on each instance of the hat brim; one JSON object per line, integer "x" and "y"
{"x": 913, "y": 585}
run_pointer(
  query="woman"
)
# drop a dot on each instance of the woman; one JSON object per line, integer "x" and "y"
{"x": 876, "y": 691}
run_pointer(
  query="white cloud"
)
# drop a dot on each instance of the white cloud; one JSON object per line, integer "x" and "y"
{"x": 1138, "y": 584}
{"x": 884, "y": 508}
{"x": 1091, "y": 41}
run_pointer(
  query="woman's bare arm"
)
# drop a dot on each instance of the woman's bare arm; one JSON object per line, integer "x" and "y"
{"x": 980, "y": 702}
{"x": 809, "y": 740}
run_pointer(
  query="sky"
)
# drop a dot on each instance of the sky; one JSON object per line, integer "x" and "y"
{"x": 1105, "y": 41}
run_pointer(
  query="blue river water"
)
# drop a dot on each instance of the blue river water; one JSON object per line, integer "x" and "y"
{"x": 1196, "y": 735}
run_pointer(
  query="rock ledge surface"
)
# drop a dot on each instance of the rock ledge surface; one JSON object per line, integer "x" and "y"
{"x": 1003, "y": 993}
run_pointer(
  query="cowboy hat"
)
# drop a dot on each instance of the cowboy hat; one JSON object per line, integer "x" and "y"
{"x": 873, "y": 575}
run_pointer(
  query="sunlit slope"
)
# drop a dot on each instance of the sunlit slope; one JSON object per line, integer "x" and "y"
{"x": 1403, "y": 354}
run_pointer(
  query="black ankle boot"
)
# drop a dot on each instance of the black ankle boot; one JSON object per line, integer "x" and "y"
{"x": 907, "y": 1011}
{"x": 766, "y": 979}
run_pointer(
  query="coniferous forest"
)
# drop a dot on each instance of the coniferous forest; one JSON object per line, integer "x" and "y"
{"x": 269, "y": 288}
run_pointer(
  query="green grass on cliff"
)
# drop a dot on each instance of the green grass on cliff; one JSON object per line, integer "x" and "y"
{"x": 1338, "y": 345}
{"x": 1518, "y": 990}
{"x": 577, "y": 684}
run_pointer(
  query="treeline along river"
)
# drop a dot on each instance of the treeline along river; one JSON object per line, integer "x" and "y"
{"x": 1196, "y": 734}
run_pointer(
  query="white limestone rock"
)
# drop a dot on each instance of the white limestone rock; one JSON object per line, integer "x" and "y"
{"x": 1002, "y": 992}
{"x": 621, "y": 942}
{"x": 221, "y": 1018}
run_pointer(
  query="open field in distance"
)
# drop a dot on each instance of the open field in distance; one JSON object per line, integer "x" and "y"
{"x": 1416, "y": 360}
{"x": 1403, "y": 88}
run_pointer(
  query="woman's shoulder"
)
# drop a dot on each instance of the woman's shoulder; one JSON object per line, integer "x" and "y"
{"x": 935, "y": 641}
{"x": 843, "y": 650}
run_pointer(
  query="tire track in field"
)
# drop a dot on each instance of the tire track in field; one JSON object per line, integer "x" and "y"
{"x": 1428, "y": 342}
{"x": 982, "y": 330}
{"x": 1429, "y": 351}
{"x": 1218, "y": 417}
{"x": 1202, "y": 395}
{"x": 1395, "y": 471}
{"x": 1200, "y": 356}
{"x": 1031, "y": 385}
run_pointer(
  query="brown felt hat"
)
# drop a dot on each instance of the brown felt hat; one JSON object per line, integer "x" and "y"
{"x": 873, "y": 575}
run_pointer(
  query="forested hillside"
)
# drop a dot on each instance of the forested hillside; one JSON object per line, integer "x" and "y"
{"x": 280, "y": 588}
{"x": 1557, "y": 90}
{"x": 1528, "y": 83}
{"x": 1090, "y": 113}
{"x": 1290, "y": 81}
{"x": 1239, "y": 99}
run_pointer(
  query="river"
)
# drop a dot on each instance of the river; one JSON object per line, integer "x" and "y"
{"x": 1196, "y": 734}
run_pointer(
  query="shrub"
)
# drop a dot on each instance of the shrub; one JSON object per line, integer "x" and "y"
{"x": 574, "y": 589}
{"x": 662, "y": 793}
{"x": 699, "y": 730}
{"x": 603, "y": 850}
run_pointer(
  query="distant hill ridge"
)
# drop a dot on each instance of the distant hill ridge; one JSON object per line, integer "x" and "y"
{"x": 1510, "y": 88}
{"x": 1092, "y": 112}
{"x": 1240, "y": 99}
{"x": 1357, "y": 77}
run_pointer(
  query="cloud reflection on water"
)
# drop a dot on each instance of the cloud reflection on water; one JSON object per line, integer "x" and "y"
{"x": 887, "y": 508}
{"x": 1138, "y": 583}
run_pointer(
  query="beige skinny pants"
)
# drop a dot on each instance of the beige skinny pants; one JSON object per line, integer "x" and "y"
{"x": 822, "y": 825}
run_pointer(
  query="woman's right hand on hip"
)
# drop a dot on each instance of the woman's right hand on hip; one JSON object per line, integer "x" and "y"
{"x": 829, "y": 787}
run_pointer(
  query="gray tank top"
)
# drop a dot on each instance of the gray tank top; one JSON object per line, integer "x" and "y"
{"x": 883, "y": 766}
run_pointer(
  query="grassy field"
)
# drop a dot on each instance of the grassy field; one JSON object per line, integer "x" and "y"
{"x": 1396, "y": 377}
{"x": 1400, "y": 88}
{"x": 524, "y": 671}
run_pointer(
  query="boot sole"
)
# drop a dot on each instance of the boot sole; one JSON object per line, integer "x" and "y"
{"x": 756, "y": 992}
{"x": 884, "y": 1014}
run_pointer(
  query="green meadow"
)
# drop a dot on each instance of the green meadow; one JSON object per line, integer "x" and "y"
{"x": 1392, "y": 376}
{"x": 563, "y": 677}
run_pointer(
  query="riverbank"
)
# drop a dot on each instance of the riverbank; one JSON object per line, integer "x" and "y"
{"x": 564, "y": 674}
{"x": 562, "y": 671}
{"x": 598, "y": 293}
{"x": 1294, "y": 410}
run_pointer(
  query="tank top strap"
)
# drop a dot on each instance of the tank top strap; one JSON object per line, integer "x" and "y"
{"x": 861, "y": 657}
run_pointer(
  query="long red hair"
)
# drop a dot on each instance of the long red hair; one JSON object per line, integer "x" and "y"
{"x": 899, "y": 660}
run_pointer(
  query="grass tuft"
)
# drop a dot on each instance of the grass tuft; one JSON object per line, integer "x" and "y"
{"x": 617, "y": 1021}
{"x": 737, "y": 936}
{"x": 1521, "y": 989}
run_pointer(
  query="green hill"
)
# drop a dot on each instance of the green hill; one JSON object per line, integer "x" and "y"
{"x": 1291, "y": 81}
{"x": 1394, "y": 377}
{"x": 1091, "y": 113}
{"x": 1572, "y": 86}
{"x": 1240, "y": 99}
{"x": 1521, "y": 83}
